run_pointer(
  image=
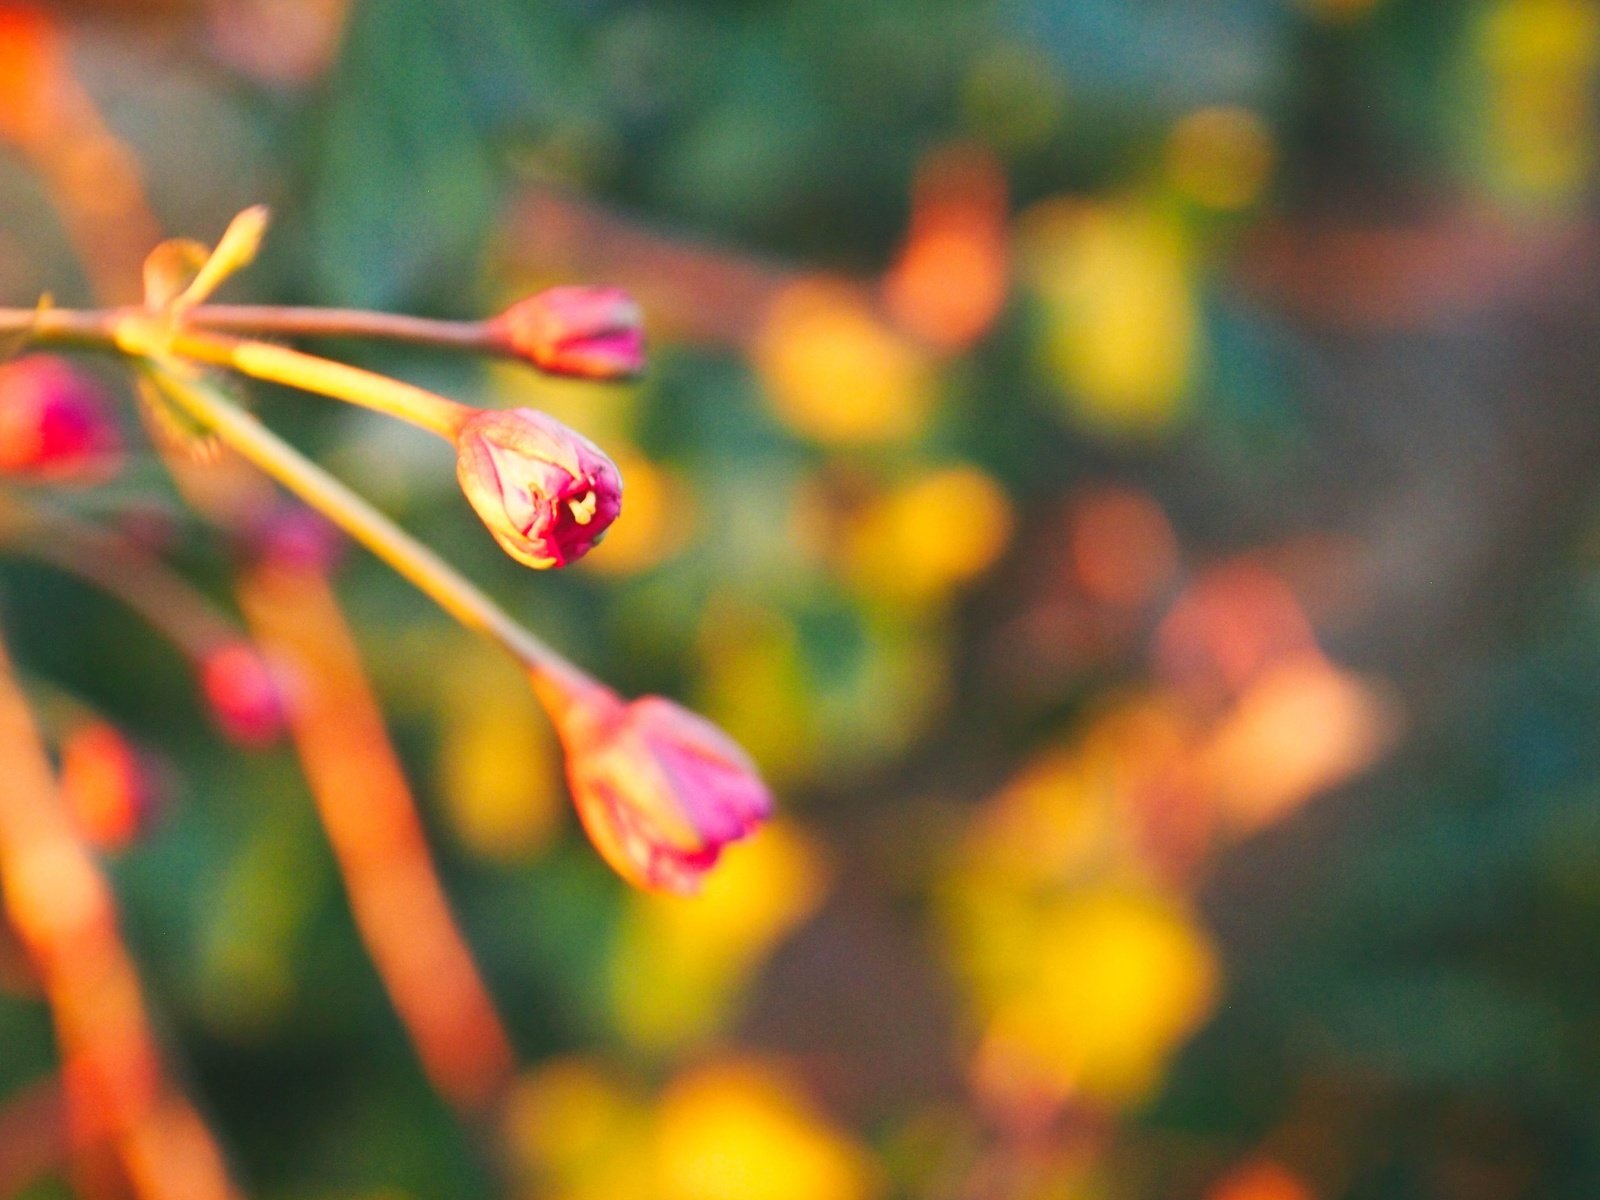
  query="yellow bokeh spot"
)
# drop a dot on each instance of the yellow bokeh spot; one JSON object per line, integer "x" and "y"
{"x": 605, "y": 415}
{"x": 836, "y": 372}
{"x": 1539, "y": 57}
{"x": 656, "y": 520}
{"x": 1121, "y": 321}
{"x": 918, "y": 541}
{"x": 1121, "y": 977}
{"x": 754, "y": 684}
{"x": 1064, "y": 823}
{"x": 742, "y": 1130}
{"x": 681, "y": 965}
{"x": 1048, "y": 823}
{"x": 1220, "y": 157}
{"x": 572, "y": 1126}
{"x": 499, "y": 765}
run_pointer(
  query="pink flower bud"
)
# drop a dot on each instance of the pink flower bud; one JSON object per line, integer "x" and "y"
{"x": 659, "y": 790}
{"x": 593, "y": 332}
{"x": 547, "y": 494}
{"x": 56, "y": 422}
{"x": 245, "y": 694}
{"x": 111, "y": 790}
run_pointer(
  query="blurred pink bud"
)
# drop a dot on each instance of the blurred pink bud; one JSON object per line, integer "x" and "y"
{"x": 547, "y": 494}
{"x": 593, "y": 332}
{"x": 56, "y": 422}
{"x": 659, "y": 790}
{"x": 111, "y": 790}
{"x": 296, "y": 538}
{"x": 245, "y": 694}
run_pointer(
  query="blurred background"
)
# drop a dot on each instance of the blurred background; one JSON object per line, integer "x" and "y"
{"x": 1127, "y": 472}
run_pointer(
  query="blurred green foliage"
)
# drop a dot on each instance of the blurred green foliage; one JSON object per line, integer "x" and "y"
{"x": 1400, "y": 427}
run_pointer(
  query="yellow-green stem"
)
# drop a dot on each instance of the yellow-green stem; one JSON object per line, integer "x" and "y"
{"x": 296, "y": 369}
{"x": 436, "y": 578}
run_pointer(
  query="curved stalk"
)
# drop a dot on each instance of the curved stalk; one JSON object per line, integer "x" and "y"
{"x": 436, "y": 578}
{"x": 294, "y": 368}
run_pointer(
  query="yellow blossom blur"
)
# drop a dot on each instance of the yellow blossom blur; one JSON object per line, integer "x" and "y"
{"x": 680, "y": 966}
{"x": 577, "y": 1130}
{"x": 1220, "y": 157}
{"x": 660, "y": 517}
{"x": 754, "y": 684}
{"x": 741, "y": 1130}
{"x": 930, "y": 534}
{"x": 1121, "y": 332}
{"x": 1539, "y": 58}
{"x": 1120, "y": 977}
{"x": 836, "y": 372}
{"x": 499, "y": 768}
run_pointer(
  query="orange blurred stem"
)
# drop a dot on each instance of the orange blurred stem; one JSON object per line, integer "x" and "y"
{"x": 33, "y": 1135}
{"x": 121, "y": 568}
{"x": 62, "y": 908}
{"x": 434, "y": 577}
{"x": 379, "y": 841}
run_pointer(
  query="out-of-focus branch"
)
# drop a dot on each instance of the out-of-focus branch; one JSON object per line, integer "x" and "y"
{"x": 378, "y": 839}
{"x": 64, "y": 913}
{"x": 92, "y": 177}
{"x": 122, "y": 569}
{"x": 1397, "y": 276}
{"x": 33, "y": 1135}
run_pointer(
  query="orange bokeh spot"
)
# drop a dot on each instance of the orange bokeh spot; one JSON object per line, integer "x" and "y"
{"x": 30, "y": 61}
{"x": 104, "y": 786}
{"x": 836, "y": 372}
{"x": 1302, "y": 727}
{"x": 1232, "y": 622}
{"x": 1123, "y": 548}
{"x": 950, "y": 281}
{"x": 1261, "y": 1179}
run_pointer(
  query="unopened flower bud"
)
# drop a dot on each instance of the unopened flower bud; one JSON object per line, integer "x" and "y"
{"x": 547, "y": 494}
{"x": 56, "y": 422}
{"x": 245, "y": 695}
{"x": 111, "y": 790}
{"x": 593, "y": 332}
{"x": 660, "y": 790}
